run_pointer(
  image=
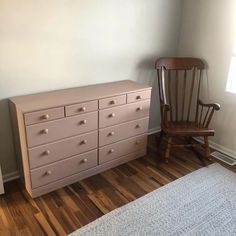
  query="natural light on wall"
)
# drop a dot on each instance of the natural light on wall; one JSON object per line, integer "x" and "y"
{"x": 231, "y": 83}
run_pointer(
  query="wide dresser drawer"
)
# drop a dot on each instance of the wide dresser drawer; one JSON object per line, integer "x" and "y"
{"x": 54, "y": 130}
{"x": 45, "y": 154}
{"x": 122, "y": 131}
{"x": 122, "y": 148}
{"x": 52, "y": 172}
{"x": 124, "y": 113}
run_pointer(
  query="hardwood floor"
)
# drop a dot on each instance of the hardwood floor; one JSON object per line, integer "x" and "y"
{"x": 69, "y": 208}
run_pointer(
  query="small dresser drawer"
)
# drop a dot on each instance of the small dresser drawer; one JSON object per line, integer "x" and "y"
{"x": 112, "y": 101}
{"x": 81, "y": 108}
{"x": 54, "y": 130}
{"x": 44, "y": 115}
{"x": 122, "y": 131}
{"x": 47, "y": 174}
{"x": 56, "y": 151}
{"x": 128, "y": 112}
{"x": 138, "y": 96}
{"x": 116, "y": 150}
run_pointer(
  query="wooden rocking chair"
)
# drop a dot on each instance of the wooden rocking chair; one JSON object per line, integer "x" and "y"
{"x": 183, "y": 114}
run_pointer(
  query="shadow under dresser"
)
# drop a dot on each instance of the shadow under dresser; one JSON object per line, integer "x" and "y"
{"x": 66, "y": 135}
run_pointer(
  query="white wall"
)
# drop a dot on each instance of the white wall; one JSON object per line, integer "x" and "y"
{"x": 208, "y": 31}
{"x": 54, "y": 44}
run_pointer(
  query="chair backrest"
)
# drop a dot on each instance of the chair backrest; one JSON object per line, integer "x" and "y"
{"x": 179, "y": 86}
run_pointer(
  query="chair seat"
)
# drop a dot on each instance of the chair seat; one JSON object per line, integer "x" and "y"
{"x": 186, "y": 129}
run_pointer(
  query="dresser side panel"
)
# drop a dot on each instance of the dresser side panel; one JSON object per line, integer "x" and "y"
{"x": 18, "y": 127}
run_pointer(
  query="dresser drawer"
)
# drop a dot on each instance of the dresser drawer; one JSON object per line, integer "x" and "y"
{"x": 122, "y": 131}
{"x": 54, "y": 130}
{"x": 128, "y": 112}
{"x": 56, "y": 151}
{"x": 61, "y": 169}
{"x": 81, "y": 108}
{"x": 137, "y": 96}
{"x": 44, "y": 115}
{"x": 116, "y": 150}
{"x": 112, "y": 101}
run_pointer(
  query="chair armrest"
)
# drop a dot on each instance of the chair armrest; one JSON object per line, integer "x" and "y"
{"x": 204, "y": 120}
{"x": 215, "y": 106}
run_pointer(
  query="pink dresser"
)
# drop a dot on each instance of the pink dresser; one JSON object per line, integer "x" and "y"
{"x": 67, "y": 135}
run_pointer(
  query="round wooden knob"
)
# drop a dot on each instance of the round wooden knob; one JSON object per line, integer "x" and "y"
{"x": 138, "y": 126}
{"x": 111, "y": 150}
{"x": 83, "y": 122}
{"x": 112, "y": 102}
{"x": 46, "y": 117}
{"x": 85, "y": 160}
{"x": 139, "y": 97}
{"x": 84, "y": 141}
{"x": 139, "y": 109}
{"x": 45, "y": 131}
{"x": 48, "y": 172}
{"x": 47, "y": 152}
{"x": 82, "y": 109}
{"x": 111, "y": 133}
{"x": 112, "y": 115}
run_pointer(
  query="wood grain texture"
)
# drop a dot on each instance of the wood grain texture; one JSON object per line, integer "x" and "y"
{"x": 69, "y": 208}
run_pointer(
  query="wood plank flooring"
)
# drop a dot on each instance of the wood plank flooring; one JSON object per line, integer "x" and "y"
{"x": 67, "y": 209}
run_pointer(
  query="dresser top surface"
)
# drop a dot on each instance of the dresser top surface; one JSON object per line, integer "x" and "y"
{"x": 57, "y": 98}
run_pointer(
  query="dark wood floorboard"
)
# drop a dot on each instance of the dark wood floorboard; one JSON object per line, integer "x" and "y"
{"x": 69, "y": 208}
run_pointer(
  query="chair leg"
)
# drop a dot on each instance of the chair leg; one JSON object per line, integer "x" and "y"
{"x": 160, "y": 138}
{"x": 207, "y": 148}
{"x": 167, "y": 151}
{"x": 190, "y": 140}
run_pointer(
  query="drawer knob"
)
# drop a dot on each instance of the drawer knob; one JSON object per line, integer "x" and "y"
{"x": 139, "y": 108}
{"x": 45, "y": 131}
{"x": 84, "y": 141}
{"x": 138, "y": 126}
{"x": 83, "y": 122}
{"x": 139, "y": 97}
{"x": 46, "y": 117}
{"x": 82, "y": 109}
{"x": 111, "y": 133}
{"x": 138, "y": 142}
{"x": 112, "y": 115}
{"x": 85, "y": 160}
{"x": 112, "y": 102}
{"x": 48, "y": 172}
{"x": 47, "y": 152}
{"x": 111, "y": 150}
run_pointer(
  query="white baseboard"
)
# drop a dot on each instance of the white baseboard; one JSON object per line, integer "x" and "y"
{"x": 154, "y": 130}
{"x": 220, "y": 148}
{"x": 11, "y": 176}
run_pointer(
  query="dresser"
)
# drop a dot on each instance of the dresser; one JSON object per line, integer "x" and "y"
{"x": 66, "y": 135}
